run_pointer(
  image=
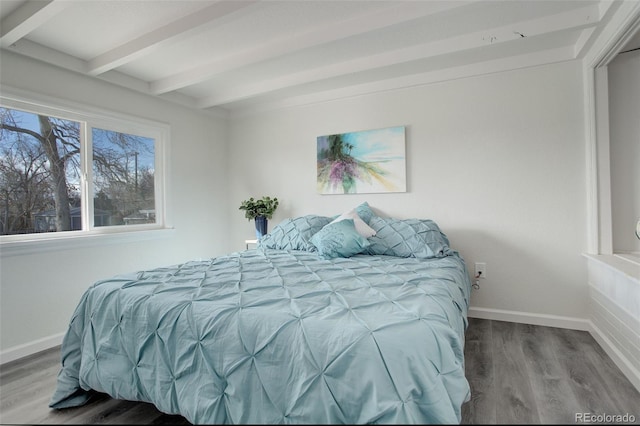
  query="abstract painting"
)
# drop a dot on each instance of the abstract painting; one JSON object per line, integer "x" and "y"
{"x": 369, "y": 161}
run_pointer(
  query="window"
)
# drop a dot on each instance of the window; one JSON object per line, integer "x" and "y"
{"x": 67, "y": 173}
{"x": 123, "y": 178}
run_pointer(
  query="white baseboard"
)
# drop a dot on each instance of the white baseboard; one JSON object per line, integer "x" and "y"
{"x": 530, "y": 318}
{"x": 620, "y": 360}
{"x": 30, "y": 348}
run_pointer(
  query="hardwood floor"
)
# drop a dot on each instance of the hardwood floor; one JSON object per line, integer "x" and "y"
{"x": 522, "y": 373}
{"x": 518, "y": 374}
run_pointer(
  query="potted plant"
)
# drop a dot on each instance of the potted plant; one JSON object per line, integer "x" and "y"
{"x": 259, "y": 210}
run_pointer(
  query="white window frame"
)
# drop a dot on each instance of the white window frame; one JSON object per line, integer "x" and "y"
{"x": 91, "y": 117}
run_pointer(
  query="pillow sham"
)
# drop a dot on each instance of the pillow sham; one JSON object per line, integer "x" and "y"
{"x": 294, "y": 233}
{"x": 420, "y": 238}
{"x": 339, "y": 239}
{"x": 363, "y": 229}
{"x": 365, "y": 212}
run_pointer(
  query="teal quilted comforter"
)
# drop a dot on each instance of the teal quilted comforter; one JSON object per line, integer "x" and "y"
{"x": 277, "y": 336}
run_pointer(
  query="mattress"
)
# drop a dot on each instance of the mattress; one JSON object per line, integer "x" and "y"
{"x": 277, "y": 336}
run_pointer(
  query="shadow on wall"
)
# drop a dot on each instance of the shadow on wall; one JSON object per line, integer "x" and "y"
{"x": 510, "y": 269}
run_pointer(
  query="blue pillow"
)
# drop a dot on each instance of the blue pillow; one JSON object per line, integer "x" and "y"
{"x": 365, "y": 212}
{"x": 294, "y": 233}
{"x": 420, "y": 238}
{"x": 339, "y": 239}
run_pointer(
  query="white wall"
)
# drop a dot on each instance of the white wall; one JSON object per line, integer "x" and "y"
{"x": 39, "y": 292}
{"x": 624, "y": 125}
{"x": 498, "y": 161}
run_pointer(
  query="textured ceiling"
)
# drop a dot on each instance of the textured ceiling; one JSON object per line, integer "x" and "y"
{"x": 238, "y": 55}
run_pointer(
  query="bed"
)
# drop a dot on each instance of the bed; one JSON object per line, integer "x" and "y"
{"x": 318, "y": 324}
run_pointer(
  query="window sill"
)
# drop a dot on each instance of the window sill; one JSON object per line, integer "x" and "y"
{"x": 629, "y": 269}
{"x": 78, "y": 241}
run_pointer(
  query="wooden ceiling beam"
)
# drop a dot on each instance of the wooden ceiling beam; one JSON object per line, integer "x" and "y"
{"x": 583, "y": 18}
{"x": 27, "y": 18}
{"x": 169, "y": 33}
{"x": 321, "y": 34}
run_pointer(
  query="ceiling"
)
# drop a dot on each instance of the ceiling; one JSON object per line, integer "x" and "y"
{"x": 231, "y": 56}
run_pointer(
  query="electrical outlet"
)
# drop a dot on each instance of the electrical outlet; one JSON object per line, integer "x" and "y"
{"x": 481, "y": 268}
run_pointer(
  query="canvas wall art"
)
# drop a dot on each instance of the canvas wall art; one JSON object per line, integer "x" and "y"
{"x": 368, "y": 161}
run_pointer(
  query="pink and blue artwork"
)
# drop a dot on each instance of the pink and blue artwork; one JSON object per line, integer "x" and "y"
{"x": 369, "y": 161}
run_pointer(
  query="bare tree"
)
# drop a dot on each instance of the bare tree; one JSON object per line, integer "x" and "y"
{"x": 24, "y": 185}
{"x": 60, "y": 142}
{"x": 49, "y": 137}
{"x": 56, "y": 147}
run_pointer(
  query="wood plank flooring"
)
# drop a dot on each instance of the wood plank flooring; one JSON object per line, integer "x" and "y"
{"x": 518, "y": 373}
{"x": 522, "y": 373}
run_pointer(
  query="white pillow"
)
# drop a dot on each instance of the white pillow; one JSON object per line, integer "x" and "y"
{"x": 361, "y": 226}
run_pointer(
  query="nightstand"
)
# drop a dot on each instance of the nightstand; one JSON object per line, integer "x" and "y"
{"x": 247, "y": 242}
